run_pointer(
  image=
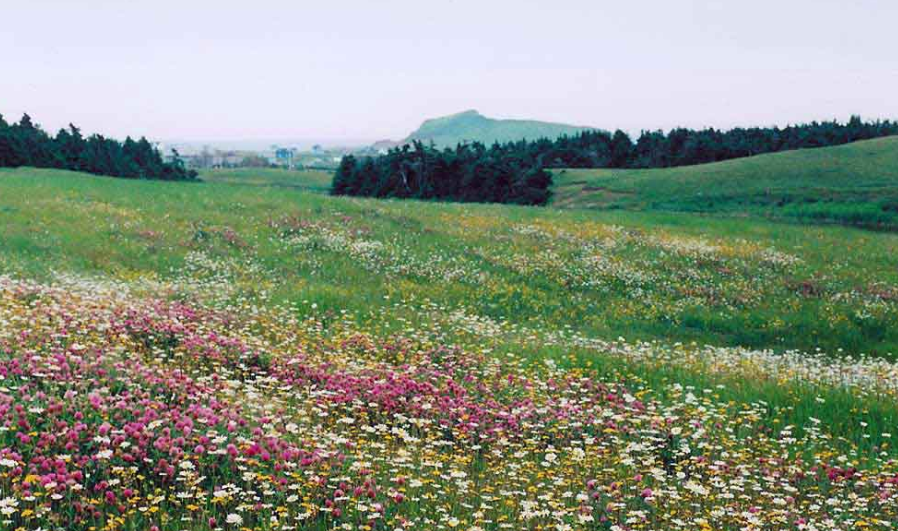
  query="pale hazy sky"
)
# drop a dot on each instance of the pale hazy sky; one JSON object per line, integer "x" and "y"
{"x": 215, "y": 70}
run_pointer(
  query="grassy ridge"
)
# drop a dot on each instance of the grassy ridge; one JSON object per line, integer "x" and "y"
{"x": 855, "y": 184}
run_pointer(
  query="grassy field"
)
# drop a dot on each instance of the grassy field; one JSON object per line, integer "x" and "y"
{"x": 309, "y": 180}
{"x": 641, "y": 276}
{"x": 854, "y": 184}
{"x": 222, "y": 355}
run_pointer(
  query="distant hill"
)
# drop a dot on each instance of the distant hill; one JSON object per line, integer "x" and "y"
{"x": 852, "y": 184}
{"x": 470, "y": 126}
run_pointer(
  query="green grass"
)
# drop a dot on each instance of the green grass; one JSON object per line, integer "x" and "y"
{"x": 643, "y": 276}
{"x": 311, "y": 180}
{"x": 854, "y": 184}
{"x": 511, "y": 279}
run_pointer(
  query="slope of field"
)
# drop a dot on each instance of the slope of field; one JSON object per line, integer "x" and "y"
{"x": 309, "y": 180}
{"x": 852, "y": 184}
{"x": 218, "y": 356}
{"x": 469, "y": 126}
{"x": 631, "y": 274}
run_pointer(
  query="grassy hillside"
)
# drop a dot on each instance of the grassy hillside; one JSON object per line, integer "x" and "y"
{"x": 218, "y": 356}
{"x": 310, "y": 180}
{"x": 469, "y": 126}
{"x": 851, "y": 184}
{"x": 854, "y": 184}
{"x": 552, "y": 267}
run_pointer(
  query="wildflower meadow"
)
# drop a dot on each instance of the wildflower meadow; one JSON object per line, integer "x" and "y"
{"x": 184, "y": 357}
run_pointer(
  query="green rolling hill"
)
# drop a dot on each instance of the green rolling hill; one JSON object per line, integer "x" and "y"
{"x": 854, "y": 184}
{"x": 470, "y": 126}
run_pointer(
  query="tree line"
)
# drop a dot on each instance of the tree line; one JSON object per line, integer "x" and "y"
{"x": 468, "y": 173}
{"x": 515, "y": 172}
{"x": 26, "y": 144}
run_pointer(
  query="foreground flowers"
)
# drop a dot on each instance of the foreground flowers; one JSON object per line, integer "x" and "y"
{"x": 125, "y": 412}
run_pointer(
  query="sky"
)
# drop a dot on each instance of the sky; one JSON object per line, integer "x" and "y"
{"x": 344, "y": 70}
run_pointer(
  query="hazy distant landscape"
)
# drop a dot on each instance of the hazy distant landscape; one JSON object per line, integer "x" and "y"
{"x": 471, "y": 126}
{"x": 650, "y": 284}
{"x": 443, "y": 132}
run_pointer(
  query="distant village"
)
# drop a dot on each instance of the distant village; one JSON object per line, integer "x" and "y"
{"x": 208, "y": 157}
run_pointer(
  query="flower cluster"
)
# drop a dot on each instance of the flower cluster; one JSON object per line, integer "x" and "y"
{"x": 123, "y": 411}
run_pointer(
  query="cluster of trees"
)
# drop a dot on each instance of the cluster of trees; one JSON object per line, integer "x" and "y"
{"x": 26, "y": 144}
{"x": 515, "y": 172}
{"x": 682, "y": 147}
{"x": 468, "y": 173}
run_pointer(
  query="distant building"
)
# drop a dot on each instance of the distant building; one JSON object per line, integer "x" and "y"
{"x": 284, "y": 156}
